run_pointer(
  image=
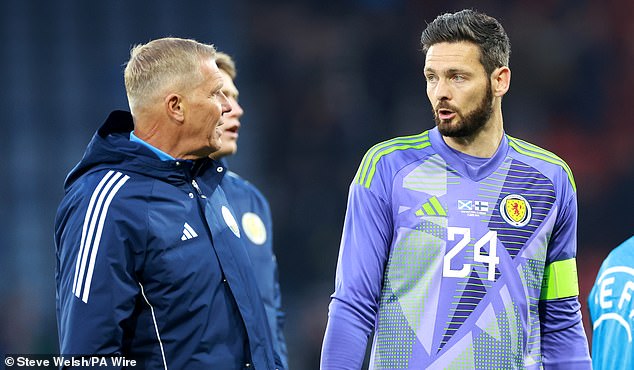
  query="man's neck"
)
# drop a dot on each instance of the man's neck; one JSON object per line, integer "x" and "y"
{"x": 482, "y": 144}
{"x": 159, "y": 153}
{"x": 163, "y": 135}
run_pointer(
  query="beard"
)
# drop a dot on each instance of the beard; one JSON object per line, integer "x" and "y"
{"x": 469, "y": 124}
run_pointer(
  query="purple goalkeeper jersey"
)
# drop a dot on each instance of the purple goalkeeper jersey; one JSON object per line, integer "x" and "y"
{"x": 457, "y": 262}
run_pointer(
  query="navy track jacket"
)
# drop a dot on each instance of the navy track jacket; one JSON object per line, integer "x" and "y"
{"x": 150, "y": 262}
{"x": 256, "y": 225}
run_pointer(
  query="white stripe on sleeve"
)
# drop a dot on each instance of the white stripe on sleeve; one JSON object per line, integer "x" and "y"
{"x": 86, "y": 222}
{"x": 92, "y": 229}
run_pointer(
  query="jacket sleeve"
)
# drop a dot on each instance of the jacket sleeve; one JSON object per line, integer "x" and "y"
{"x": 563, "y": 340}
{"x": 280, "y": 316}
{"x": 96, "y": 285}
{"x": 276, "y": 293}
{"x": 362, "y": 257}
{"x": 280, "y": 320}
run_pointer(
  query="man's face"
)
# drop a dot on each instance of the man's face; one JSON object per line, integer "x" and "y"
{"x": 231, "y": 120}
{"x": 458, "y": 88}
{"x": 206, "y": 104}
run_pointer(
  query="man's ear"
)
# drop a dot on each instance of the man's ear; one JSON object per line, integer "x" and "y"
{"x": 500, "y": 81}
{"x": 174, "y": 107}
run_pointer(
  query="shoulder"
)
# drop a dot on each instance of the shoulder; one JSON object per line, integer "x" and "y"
{"x": 100, "y": 202}
{"x": 542, "y": 159}
{"x": 237, "y": 182}
{"x": 244, "y": 197}
{"x": 392, "y": 154}
{"x": 112, "y": 192}
{"x": 234, "y": 179}
{"x": 623, "y": 254}
{"x": 102, "y": 184}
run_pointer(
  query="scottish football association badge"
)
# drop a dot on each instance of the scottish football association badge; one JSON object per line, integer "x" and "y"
{"x": 254, "y": 228}
{"x": 515, "y": 210}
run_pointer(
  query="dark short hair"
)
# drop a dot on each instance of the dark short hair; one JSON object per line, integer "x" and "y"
{"x": 471, "y": 26}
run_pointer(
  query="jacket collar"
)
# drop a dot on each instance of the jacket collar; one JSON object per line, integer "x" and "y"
{"x": 111, "y": 148}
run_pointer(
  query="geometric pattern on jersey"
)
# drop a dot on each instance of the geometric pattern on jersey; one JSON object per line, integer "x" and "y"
{"x": 408, "y": 291}
{"x": 536, "y": 188}
{"x": 414, "y": 264}
{"x": 410, "y": 321}
{"x": 475, "y": 288}
{"x": 528, "y": 272}
{"x": 472, "y": 294}
{"x": 395, "y": 341}
{"x": 510, "y": 178}
{"x": 498, "y": 346}
{"x": 367, "y": 169}
{"x": 430, "y": 177}
{"x": 531, "y": 271}
{"x": 539, "y": 192}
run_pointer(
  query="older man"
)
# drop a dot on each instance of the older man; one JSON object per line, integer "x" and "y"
{"x": 150, "y": 264}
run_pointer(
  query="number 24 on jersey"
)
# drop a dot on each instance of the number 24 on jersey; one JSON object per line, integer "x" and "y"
{"x": 463, "y": 236}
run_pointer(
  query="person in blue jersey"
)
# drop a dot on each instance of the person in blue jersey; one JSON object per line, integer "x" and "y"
{"x": 150, "y": 260}
{"x": 612, "y": 310}
{"x": 459, "y": 244}
{"x": 252, "y": 211}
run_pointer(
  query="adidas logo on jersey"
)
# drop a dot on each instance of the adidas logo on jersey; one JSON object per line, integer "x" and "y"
{"x": 188, "y": 232}
{"x": 431, "y": 208}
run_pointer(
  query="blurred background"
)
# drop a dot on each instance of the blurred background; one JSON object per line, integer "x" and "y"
{"x": 321, "y": 82}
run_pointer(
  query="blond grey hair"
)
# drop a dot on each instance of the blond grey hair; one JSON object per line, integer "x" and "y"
{"x": 225, "y": 63}
{"x": 163, "y": 64}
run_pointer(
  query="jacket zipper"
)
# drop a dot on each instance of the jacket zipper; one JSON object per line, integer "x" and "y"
{"x": 200, "y": 193}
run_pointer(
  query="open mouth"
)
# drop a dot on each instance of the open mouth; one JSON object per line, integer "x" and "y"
{"x": 446, "y": 114}
{"x": 233, "y": 129}
{"x": 230, "y": 130}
